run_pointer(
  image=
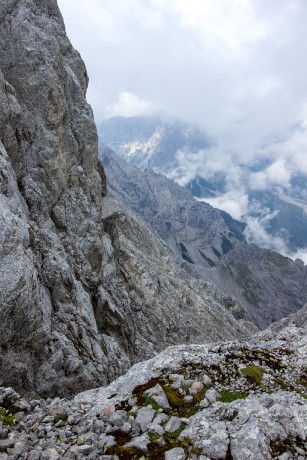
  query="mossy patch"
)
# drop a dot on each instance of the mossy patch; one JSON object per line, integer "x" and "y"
{"x": 121, "y": 437}
{"x": 139, "y": 391}
{"x": 175, "y": 434}
{"x": 253, "y": 374}
{"x": 61, "y": 416}
{"x": 125, "y": 452}
{"x": 269, "y": 358}
{"x": 179, "y": 406}
{"x": 155, "y": 450}
{"x": 228, "y": 397}
{"x": 280, "y": 446}
{"x": 7, "y": 418}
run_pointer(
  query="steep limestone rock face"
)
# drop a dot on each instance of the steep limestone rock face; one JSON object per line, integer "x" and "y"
{"x": 209, "y": 242}
{"x": 55, "y": 253}
{"x": 79, "y": 300}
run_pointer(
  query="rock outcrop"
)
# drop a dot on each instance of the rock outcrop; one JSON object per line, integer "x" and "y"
{"x": 240, "y": 400}
{"x": 84, "y": 291}
{"x": 210, "y": 243}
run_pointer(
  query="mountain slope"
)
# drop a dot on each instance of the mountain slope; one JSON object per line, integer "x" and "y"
{"x": 150, "y": 142}
{"x": 77, "y": 307}
{"x": 209, "y": 243}
{"x": 185, "y": 154}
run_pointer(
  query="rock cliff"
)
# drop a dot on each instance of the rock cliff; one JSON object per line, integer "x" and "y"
{"x": 84, "y": 291}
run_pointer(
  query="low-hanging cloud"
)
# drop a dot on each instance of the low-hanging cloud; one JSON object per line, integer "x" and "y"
{"x": 236, "y": 68}
{"x": 128, "y": 105}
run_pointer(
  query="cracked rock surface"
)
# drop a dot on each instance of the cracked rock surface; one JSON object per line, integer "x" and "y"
{"x": 247, "y": 401}
{"x": 85, "y": 289}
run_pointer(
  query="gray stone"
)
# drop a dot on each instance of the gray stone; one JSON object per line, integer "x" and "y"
{"x": 175, "y": 454}
{"x": 211, "y": 395}
{"x": 156, "y": 429}
{"x": 206, "y": 380}
{"x": 126, "y": 427}
{"x": 204, "y": 403}
{"x": 157, "y": 394}
{"x": 197, "y": 386}
{"x": 144, "y": 417}
{"x": 3, "y": 433}
{"x": 106, "y": 441}
{"x": 173, "y": 424}
{"x": 117, "y": 419}
{"x": 85, "y": 449}
{"x": 6, "y": 444}
{"x": 34, "y": 455}
{"x": 160, "y": 419}
{"x": 140, "y": 442}
{"x": 50, "y": 454}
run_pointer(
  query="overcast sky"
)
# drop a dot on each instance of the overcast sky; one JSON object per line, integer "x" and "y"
{"x": 231, "y": 65}
{"x": 237, "y": 68}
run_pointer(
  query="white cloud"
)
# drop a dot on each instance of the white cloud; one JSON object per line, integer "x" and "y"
{"x": 128, "y": 105}
{"x": 233, "y": 202}
{"x": 237, "y": 68}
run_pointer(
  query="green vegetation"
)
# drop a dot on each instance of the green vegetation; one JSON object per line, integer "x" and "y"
{"x": 155, "y": 450}
{"x": 7, "y": 418}
{"x": 253, "y": 374}
{"x": 228, "y": 397}
{"x": 125, "y": 452}
{"x": 60, "y": 416}
{"x": 175, "y": 434}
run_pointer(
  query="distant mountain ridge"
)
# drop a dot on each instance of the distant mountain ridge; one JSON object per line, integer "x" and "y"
{"x": 210, "y": 243}
{"x": 174, "y": 148}
{"x": 150, "y": 142}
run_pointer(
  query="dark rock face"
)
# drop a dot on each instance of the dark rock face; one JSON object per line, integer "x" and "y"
{"x": 54, "y": 251}
{"x": 210, "y": 244}
{"x": 79, "y": 298}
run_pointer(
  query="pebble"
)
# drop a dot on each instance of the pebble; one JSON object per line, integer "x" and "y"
{"x": 173, "y": 424}
{"x": 197, "y": 387}
{"x": 207, "y": 381}
{"x": 144, "y": 417}
{"x": 211, "y": 395}
{"x": 158, "y": 395}
{"x": 140, "y": 442}
{"x": 175, "y": 454}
